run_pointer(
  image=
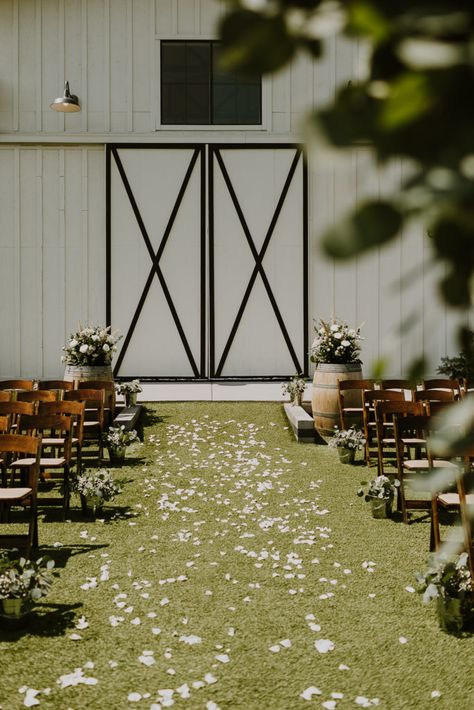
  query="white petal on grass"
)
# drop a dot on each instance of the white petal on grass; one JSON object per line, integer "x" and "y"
{"x": 323, "y": 645}
{"x": 343, "y": 667}
{"x": 82, "y": 623}
{"x": 134, "y": 697}
{"x": 410, "y": 589}
{"x": 309, "y": 692}
{"x": 75, "y": 637}
{"x": 77, "y": 677}
{"x": 275, "y": 649}
{"x": 435, "y": 694}
{"x": 155, "y": 631}
{"x": 403, "y": 640}
{"x": 210, "y": 679}
{"x": 286, "y": 643}
{"x": 191, "y": 639}
{"x": 329, "y": 704}
{"x": 30, "y": 698}
{"x": 211, "y": 705}
{"x": 222, "y": 657}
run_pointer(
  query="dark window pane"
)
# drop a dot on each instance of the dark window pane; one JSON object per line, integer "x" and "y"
{"x": 236, "y": 100}
{"x": 196, "y": 91}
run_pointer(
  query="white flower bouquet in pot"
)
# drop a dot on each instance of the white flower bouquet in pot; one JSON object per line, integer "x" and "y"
{"x": 91, "y": 346}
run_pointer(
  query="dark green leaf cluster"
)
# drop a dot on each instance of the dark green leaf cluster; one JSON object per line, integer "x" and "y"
{"x": 461, "y": 366}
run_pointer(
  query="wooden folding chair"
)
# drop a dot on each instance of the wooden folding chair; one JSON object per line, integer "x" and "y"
{"x": 350, "y": 395}
{"x": 17, "y": 385}
{"x": 75, "y": 410}
{"x": 370, "y": 424}
{"x": 94, "y": 425}
{"x": 408, "y": 429}
{"x": 109, "y": 396}
{"x": 21, "y": 493}
{"x": 384, "y": 416}
{"x": 5, "y": 396}
{"x": 58, "y": 429}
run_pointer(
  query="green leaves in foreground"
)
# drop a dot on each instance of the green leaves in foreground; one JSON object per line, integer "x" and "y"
{"x": 255, "y": 43}
{"x": 372, "y": 224}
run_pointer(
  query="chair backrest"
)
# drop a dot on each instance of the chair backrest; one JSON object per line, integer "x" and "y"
{"x": 387, "y": 409}
{"x": 49, "y": 425}
{"x": 355, "y": 385}
{"x": 434, "y": 408}
{"x": 383, "y": 396}
{"x": 71, "y": 409}
{"x": 441, "y": 383}
{"x": 93, "y": 399}
{"x": 107, "y": 386}
{"x": 55, "y": 385}
{"x": 14, "y": 409}
{"x": 37, "y": 396}
{"x": 17, "y": 384}
{"x": 19, "y": 445}
{"x": 5, "y": 396}
{"x": 434, "y": 395}
{"x": 4, "y": 424}
{"x": 397, "y": 383}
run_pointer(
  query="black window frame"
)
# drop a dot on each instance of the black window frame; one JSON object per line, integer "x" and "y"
{"x": 212, "y": 43}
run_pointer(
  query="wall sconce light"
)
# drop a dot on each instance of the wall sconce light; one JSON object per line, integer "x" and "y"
{"x": 68, "y": 103}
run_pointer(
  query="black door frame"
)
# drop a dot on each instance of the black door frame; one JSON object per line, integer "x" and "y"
{"x": 214, "y": 155}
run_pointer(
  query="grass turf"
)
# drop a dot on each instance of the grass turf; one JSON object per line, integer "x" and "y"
{"x": 230, "y": 537}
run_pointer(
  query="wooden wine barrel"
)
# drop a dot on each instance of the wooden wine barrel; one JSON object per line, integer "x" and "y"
{"x": 83, "y": 373}
{"x": 325, "y": 402}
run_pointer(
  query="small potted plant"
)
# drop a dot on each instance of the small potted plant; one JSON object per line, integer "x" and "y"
{"x": 95, "y": 488}
{"x": 88, "y": 353}
{"x": 116, "y": 439}
{"x": 347, "y": 442}
{"x": 129, "y": 390}
{"x": 449, "y": 582}
{"x": 23, "y": 583}
{"x": 380, "y": 494}
{"x": 295, "y": 388}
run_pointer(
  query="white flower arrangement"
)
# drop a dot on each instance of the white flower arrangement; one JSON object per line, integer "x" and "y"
{"x": 25, "y": 579}
{"x": 446, "y": 578}
{"x": 381, "y": 487}
{"x": 350, "y": 438}
{"x": 94, "y": 345}
{"x": 98, "y": 485}
{"x": 335, "y": 342}
{"x": 296, "y": 386}
{"x": 117, "y": 437}
{"x": 132, "y": 387}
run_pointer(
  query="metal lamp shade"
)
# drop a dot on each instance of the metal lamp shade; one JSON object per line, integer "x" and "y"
{"x": 68, "y": 103}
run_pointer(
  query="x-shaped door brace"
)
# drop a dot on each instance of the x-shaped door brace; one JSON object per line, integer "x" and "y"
{"x": 155, "y": 258}
{"x": 258, "y": 268}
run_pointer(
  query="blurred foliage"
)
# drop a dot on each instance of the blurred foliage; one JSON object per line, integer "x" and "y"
{"x": 461, "y": 366}
{"x": 416, "y": 101}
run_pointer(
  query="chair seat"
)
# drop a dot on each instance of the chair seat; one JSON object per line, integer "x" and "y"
{"x": 44, "y": 462}
{"x": 413, "y": 441}
{"x": 9, "y": 494}
{"x": 424, "y": 464}
{"x": 449, "y": 499}
{"x": 353, "y": 409}
{"x": 52, "y": 441}
{"x": 87, "y": 425}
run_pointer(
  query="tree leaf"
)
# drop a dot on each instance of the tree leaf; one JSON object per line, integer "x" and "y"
{"x": 372, "y": 224}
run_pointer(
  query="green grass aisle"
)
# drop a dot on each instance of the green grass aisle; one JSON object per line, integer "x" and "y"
{"x": 237, "y": 570}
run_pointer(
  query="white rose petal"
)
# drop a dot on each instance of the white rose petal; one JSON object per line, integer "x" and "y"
{"x": 309, "y": 692}
{"x": 324, "y": 645}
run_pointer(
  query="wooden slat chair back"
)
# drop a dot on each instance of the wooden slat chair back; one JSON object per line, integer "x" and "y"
{"x": 350, "y": 395}
{"x": 370, "y": 424}
{"x": 23, "y": 492}
{"x": 94, "y": 418}
{"x": 59, "y": 429}
{"x": 14, "y": 410}
{"x": 398, "y": 385}
{"x": 5, "y": 396}
{"x": 37, "y": 396}
{"x": 435, "y": 408}
{"x": 17, "y": 385}
{"x": 440, "y": 383}
{"x": 428, "y": 396}
{"x": 4, "y": 424}
{"x": 76, "y": 411}
{"x": 58, "y": 386}
{"x": 384, "y": 415}
{"x": 109, "y": 396}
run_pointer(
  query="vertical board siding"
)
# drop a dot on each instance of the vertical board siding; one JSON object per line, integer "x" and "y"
{"x": 52, "y": 252}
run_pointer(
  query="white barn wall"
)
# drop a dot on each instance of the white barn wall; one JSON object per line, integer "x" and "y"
{"x": 52, "y": 175}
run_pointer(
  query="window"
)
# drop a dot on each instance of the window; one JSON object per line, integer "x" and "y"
{"x": 196, "y": 91}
